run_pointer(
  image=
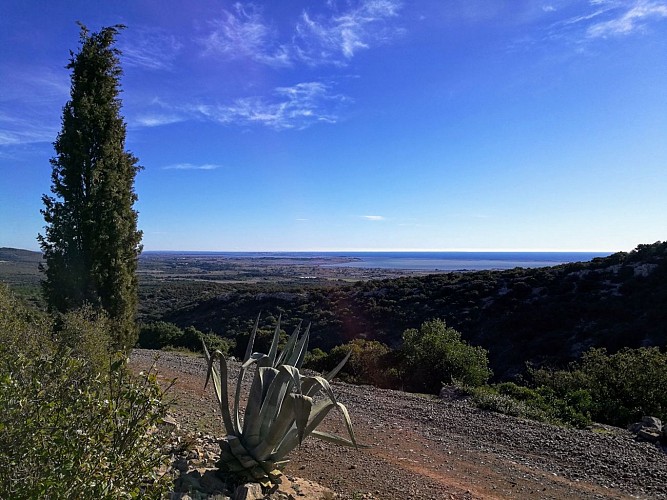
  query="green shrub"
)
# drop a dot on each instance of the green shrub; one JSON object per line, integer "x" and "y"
{"x": 68, "y": 428}
{"x": 368, "y": 363}
{"x": 67, "y": 435}
{"x": 615, "y": 389}
{"x": 436, "y": 354}
{"x": 541, "y": 404}
{"x": 161, "y": 335}
{"x": 85, "y": 333}
{"x": 489, "y": 398}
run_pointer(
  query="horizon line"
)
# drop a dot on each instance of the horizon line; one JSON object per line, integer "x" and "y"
{"x": 401, "y": 250}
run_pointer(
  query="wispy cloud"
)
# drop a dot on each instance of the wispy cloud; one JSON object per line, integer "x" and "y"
{"x": 605, "y": 18}
{"x": 156, "y": 120}
{"x": 629, "y": 20}
{"x": 31, "y": 103}
{"x": 192, "y": 166}
{"x": 243, "y": 33}
{"x": 336, "y": 38}
{"x": 295, "y": 107}
{"x": 149, "y": 48}
{"x": 332, "y": 37}
{"x": 373, "y": 217}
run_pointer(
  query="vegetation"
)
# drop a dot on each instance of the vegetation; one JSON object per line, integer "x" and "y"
{"x": 67, "y": 429}
{"x": 435, "y": 354}
{"x": 555, "y": 314}
{"x": 163, "y": 335}
{"x": 281, "y": 410}
{"x": 91, "y": 243}
{"x": 622, "y": 387}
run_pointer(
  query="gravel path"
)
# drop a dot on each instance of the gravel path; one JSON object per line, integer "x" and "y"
{"x": 428, "y": 448}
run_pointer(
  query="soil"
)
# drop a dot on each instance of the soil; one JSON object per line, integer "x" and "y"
{"x": 423, "y": 447}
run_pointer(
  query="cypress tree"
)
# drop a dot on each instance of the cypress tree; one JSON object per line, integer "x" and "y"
{"x": 91, "y": 242}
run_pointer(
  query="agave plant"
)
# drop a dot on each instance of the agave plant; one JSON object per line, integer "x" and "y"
{"x": 280, "y": 412}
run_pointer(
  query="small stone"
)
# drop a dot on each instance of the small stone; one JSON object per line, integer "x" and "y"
{"x": 248, "y": 491}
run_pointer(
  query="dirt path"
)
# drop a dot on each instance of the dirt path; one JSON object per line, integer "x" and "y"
{"x": 427, "y": 448}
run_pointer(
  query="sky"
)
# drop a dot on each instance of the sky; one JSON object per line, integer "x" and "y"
{"x": 359, "y": 125}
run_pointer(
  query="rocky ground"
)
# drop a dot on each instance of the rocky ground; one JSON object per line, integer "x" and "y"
{"x": 421, "y": 447}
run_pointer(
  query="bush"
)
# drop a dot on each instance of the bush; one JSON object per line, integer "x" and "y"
{"x": 368, "y": 364}
{"x": 540, "y": 404}
{"x": 66, "y": 435}
{"x": 436, "y": 354}
{"x": 68, "y": 430}
{"x": 161, "y": 335}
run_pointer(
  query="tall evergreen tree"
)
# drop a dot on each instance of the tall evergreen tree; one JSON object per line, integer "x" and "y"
{"x": 91, "y": 242}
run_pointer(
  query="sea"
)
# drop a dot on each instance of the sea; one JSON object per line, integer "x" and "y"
{"x": 415, "y": 261}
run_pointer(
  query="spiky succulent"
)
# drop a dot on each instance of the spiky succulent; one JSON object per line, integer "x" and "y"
{"x": 280, "y": 412}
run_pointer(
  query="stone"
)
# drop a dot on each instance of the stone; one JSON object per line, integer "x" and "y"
{"x": 652, "y": 422}
{"x": 649, "y": 434}
{"x": 211, "y": 482}
{"x": 248, "y": 491}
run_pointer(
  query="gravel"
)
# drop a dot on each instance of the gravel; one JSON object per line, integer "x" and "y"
{"x": 426, "y": 447}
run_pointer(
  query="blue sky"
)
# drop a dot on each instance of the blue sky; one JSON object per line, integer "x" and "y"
{"x": 360, "y": 125}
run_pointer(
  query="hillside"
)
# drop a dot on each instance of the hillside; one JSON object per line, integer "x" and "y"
{"x": 544, "y": 316}
{"x": 19, "y": 267}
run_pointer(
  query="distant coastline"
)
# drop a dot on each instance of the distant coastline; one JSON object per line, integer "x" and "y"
{"x": 422, "y": 261}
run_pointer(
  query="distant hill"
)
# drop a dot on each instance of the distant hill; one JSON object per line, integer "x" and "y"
{"x": 19, "y": 267}
{"x": 544, "y": 316}
{"x": 18, "y": 255}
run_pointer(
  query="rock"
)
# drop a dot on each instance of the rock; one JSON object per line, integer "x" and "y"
{"x": 211, "y": 482}
{"x": 248, "y": 491}
{"x": 649, "y": 429}
{"x": 652, "y": 422}
{"x": 649, "y": 434}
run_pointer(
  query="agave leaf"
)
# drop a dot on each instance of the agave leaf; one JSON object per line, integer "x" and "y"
{"x": 260, "y": 384}
{"x": 289, "y": 347}
{"x": 254, "y": 358}
{"x": 299, "y": 353}
{"x": 239, "y": 451}
{"x": 273, "y": 350}
{"x": 348, "y": 422}
{"x": 276, "y": 430}
{"x": 258, "y": 426}
{"x": 332, "y": 438}
{"x": 317, "y": 413}
{"x": 219, "y": 378}
{"x": 302, "y": 406}
{"x": 329, "y": 376}
{"x": 251, "y": 340}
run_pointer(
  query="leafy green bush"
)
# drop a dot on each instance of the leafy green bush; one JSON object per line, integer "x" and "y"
{"x": 67, "y": 435}
{"x": 160, "y": 335}
{"x": 617, "y": 389}
{"x": 436, "y": 354}
{"x": 540, "y": 404}
{"x": 86, "y": 333}
{"x": 489, "y": 398}
{"x": 369, "y": 363}
{"x": 69, "y": 430}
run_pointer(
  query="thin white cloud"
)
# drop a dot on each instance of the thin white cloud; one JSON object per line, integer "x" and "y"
{"x": 332, "y": 37}
{"x": 191, "y": 166}
{"x": 373, "y": 217}
{"x": 149, "y": 48}
{"x": 157, "y": 120}
{"x": 336, "y": 39}
{"x": 31, "y": 100}
{"x": 630, "y": 20}
{"x": 295, "y": 107}
{"x": 243, "y": 33}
